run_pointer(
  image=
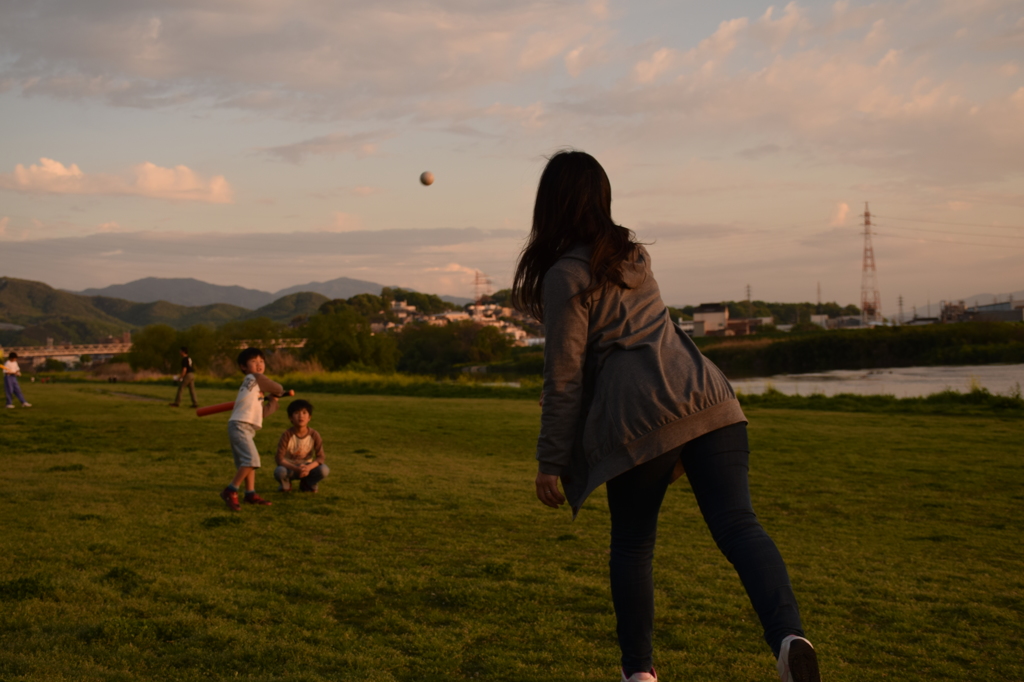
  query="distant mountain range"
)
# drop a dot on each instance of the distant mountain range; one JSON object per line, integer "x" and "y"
{"x": 31, "y": 312}
{"x": 193, "y": 292}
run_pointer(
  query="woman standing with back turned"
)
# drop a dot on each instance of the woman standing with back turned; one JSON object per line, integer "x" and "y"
{"x": 630, "y": 401}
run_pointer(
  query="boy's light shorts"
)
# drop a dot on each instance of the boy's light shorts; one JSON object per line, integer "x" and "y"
{"x": 243, "y": 444}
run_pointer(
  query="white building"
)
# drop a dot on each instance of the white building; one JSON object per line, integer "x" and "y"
{"x": 715, "y": 317}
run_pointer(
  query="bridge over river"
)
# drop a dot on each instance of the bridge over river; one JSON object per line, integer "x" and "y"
{"x": 73, "y": 353}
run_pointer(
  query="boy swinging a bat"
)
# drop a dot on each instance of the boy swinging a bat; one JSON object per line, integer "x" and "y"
{"x": 246, "y": 419}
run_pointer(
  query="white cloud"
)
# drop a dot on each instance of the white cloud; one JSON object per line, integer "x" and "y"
{"x": 719, "y": 44}
{"x": 648, "y": 70}
{"x": 345, "y": 222}
{"x": 146, "y": 180}
{"x": 454, "y": 268}
{"x": 880, "y": 85}
{"x": 531, "y": 116}
{"x": 850, "y": 89}
{"x": 840, "y": 214}
{"x": 359, "y": 145}
{"x": 777, "y": 32}
{"x": 319, "y": 58}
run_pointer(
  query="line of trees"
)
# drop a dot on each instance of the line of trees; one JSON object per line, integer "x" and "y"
{"x": 969, "y": 343}
{"x": 338, "y": 337}
{"x": 784, "y": 313}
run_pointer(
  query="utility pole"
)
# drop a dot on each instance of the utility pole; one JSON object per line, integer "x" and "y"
{"x": 750, "y": 305}
{"x": 901, "y": 308}
{"x": 870, "y": 299}
{"x": 817, "y": 311}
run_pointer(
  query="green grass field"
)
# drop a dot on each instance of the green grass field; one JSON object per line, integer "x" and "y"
{"x": 426, "y": 557}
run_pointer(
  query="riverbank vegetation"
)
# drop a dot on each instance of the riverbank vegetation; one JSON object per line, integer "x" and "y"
{"x": 969, "y": 343}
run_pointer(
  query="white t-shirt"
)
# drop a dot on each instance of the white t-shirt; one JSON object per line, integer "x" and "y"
{"x": 11, "y": 367}
{"x": 249, "y": 403}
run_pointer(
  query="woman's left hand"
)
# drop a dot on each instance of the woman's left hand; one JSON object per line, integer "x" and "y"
{"x": 547, "y": 490}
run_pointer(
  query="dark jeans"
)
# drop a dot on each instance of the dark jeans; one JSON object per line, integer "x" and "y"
{"x": 317, "y": 474}
{"x": 716, "y": 465}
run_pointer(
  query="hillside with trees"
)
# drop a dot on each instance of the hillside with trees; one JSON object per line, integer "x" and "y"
{"x": 45, "y": 312}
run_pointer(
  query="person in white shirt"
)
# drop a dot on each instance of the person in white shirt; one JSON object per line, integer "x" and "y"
{"x": 246, "y": 420}
{"x": 12, "y": 389}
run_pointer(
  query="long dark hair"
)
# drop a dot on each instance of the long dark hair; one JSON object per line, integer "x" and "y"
{"x": 573, "y": 208}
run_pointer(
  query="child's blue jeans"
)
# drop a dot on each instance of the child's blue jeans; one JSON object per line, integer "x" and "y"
{"x": 716, "y": 465}
{"x": 13, "y": 389}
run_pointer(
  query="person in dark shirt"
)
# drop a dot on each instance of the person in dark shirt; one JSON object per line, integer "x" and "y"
{"x": 187, "y": 378}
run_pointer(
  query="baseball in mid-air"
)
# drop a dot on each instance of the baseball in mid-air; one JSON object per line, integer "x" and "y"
{"x": 427, "y": 178}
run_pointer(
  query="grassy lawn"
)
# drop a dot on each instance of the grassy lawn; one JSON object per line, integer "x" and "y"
{"x": 426, "y": 557}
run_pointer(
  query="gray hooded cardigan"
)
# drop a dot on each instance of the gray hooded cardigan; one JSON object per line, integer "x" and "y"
{"x": 622, "y": 384}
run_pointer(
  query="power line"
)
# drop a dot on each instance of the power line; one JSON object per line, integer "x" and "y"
{"x": 943, "y": 222}
{"x": 942, "y": 241}
{"x": 961, "y": 234}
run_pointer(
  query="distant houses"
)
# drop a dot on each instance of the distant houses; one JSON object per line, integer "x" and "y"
{"x": 957, "y": 311}
{"x": 712, "y": 319}
{"x": 487, "y": 314}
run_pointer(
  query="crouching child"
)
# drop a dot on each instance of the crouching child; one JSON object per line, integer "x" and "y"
{"x": 300, "y": 452}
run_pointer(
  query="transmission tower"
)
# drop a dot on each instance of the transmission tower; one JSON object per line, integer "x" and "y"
{"x": 870, "y": 300}
{"x": 750, "y": 304}
{"x": 481, "y": 287}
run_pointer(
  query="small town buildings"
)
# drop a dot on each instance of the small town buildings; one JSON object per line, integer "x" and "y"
{"x": 715, "y": 317}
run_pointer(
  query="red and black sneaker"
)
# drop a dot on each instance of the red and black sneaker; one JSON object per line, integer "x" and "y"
{"x": 230, "y": 498}
{"x": 256, "y": 499}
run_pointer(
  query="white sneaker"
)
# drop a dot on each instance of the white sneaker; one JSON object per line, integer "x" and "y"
{"x": 797, "y": 661}
{"x": 641, "y": 677}
{"x": 26, "y": 404}
{"x": 11, "y": 406}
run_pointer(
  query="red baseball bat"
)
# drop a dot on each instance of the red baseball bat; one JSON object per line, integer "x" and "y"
{"x": 224, "y": 407}
{"x": 214, "y": 409}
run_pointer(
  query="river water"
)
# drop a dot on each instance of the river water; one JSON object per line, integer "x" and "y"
{"x": 902, "y": 382}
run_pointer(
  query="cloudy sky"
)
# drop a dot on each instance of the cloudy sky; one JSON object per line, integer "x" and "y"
{"x": 268, "y": 143}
